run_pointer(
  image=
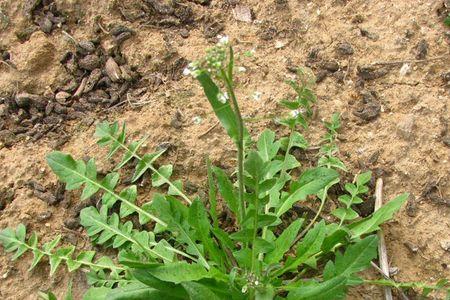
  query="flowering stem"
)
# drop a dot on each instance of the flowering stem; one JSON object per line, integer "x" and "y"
{"x": 240, "y": 142}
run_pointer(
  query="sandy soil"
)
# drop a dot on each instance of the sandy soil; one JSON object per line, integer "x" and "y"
{"x": 384, "y": 65}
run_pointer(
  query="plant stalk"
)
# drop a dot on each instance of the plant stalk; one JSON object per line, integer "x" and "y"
{"x": 255, "y": 261}
{"x": 239, "y": 143}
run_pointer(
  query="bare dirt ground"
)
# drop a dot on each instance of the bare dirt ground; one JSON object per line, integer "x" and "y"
{"x": 384, "y": 65}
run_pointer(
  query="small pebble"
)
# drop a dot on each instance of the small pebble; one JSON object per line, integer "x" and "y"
{"x": 445, "y": 245}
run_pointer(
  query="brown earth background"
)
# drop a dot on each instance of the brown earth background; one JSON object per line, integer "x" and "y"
{"x": 68, "y": 64}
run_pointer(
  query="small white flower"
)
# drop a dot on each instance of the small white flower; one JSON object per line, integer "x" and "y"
{"x": 192, "y": 69}
{"x": 223, "y": 40}
{"x": 294, "y": 113}
{"x": 222, "y": 97}
{"x": 244, "y": 289}
{"x": 256, "y": 282}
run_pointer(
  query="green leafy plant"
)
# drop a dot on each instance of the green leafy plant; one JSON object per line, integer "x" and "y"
{"x": 447, "y": 21}
{"x": 184, "y": 252}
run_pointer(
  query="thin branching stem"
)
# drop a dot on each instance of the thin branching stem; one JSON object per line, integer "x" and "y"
{"x": 255, "y": 261}
{"x": 117, "y": 196}
{"x": 65, "y": 258}
{"x": 154, "y": 170}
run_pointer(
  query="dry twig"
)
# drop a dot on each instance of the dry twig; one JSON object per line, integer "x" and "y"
{"x": 382, "y": 253}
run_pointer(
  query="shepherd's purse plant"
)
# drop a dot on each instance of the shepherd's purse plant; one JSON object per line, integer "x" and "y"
{"x": 181, "y": 250}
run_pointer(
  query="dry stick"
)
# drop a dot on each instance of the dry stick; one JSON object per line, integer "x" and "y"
{"x": 376, "y": 267}
{"x": 209, "y": 130}
{"x": 384, "y": 263}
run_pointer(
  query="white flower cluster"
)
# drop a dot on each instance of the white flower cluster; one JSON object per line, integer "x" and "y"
{"x": 192, "y": 69}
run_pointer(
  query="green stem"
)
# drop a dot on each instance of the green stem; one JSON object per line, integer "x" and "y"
{"x": 255, "y": 261}
{"x": 304, "y": 231}
{"x": 132, "y": 240}
{"x": 86, "y": 263}
{"x": 400, "y": 285}
{"x": 239, "y": 142}
{"x": 347, "y": 206}
{"x": 117, "y": 196}
{"x": 150, "y": 166}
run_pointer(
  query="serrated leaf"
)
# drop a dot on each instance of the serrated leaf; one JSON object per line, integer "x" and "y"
{"x": 89, "y": 188}
{"x": 198, "y": 219}
{"x": 345, "y": 213}
{"x": 106, "y": 228}
{"x": 298, "y": 140}
{"x": 357, "y": 257}
{"x": 134, "y": 291}
{"x": 197, "y": 290}
{"x": 267, "y": 147}
{"x": 48, "y": 247}
{"x": 284, "y": 242}
{"x": 161, "y": 177}
{"x": 383, "y": 214}
{"x": 363, "y": 178}
{"x": 130, "y": 194}
{"x": 110, "y": 135}
{"x": 170, "y": 289}
{"x": 67, "y": 169}
{"x": 56, "y": 258}
{"x": 175, "y": 214}
{"x": 84, "y": 256}
{"x": 96, "y": 293}
{"x": 309, "y": 183}
{"x": 74, "y": 174}
{"x": 109, "y": 183}
{"x": 176, "y": 188}
{"x": 254, "y": 166}
{"x": 178, "y": 272}
{"x": 331, "y": 162}
{"x": 227, "y": 190}
{"x": 308, "y": 247}
{"x": 128, "y": 155}
{"x": 145, "y": 163}
{"x": 333, "y": 289}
